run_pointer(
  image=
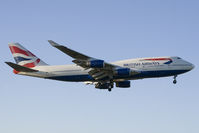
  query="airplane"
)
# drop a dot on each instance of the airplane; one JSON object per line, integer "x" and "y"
{"x": 95, "y": 71}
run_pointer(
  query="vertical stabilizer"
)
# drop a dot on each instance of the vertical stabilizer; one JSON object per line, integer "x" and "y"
{"x": 24, "y": 57}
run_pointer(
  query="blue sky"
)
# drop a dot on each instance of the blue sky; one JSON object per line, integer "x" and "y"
{"x": 110, "y": 30}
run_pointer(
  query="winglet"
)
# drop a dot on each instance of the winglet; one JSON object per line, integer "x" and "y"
{"x": 54, "y": 44}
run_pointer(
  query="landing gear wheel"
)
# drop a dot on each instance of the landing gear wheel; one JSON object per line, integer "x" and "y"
{"x": 110, "y": 86}
{"x": 174, "y": 81}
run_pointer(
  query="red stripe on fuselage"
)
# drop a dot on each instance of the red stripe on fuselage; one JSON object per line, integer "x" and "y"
{"x": 158, "y": 59}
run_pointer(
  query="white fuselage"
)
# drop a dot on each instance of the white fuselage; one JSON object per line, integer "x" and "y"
{"x": 148, "y": 68}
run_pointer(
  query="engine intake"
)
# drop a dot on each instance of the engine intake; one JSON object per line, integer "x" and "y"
{"x": 123, "y": 84}
{"x": 95, "y": 63}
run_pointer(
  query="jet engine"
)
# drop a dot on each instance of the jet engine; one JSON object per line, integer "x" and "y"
{"x": 122, "y": 72}
{"x": 123, "y": 84}
{"x": 95, "y": 64}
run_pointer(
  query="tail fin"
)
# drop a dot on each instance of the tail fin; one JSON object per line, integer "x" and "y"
{"x": 24, "y": 57}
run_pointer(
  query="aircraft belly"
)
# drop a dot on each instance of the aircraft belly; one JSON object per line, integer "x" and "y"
{"x": 142, "y": 74}
{"x": 75, "y": 76}
{"x": 72, "y": 78}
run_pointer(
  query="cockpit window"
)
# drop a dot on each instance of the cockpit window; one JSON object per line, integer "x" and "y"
{"x": 178, "y": 58}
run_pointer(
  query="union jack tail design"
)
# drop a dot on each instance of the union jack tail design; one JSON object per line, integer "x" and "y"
{"x": 24, "y": 57}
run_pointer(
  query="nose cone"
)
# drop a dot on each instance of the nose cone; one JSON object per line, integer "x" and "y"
{"x": 191, "y": 66}
{"x": 186, "y": 65}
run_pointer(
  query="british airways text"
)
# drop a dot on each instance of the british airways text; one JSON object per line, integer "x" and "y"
{"x": 142, "y": 64}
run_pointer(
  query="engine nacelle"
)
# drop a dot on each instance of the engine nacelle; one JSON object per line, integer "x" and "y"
{"x": 122, "y": 72}
{"x": 95, "y": 63}
{"x": 123, "y": 84}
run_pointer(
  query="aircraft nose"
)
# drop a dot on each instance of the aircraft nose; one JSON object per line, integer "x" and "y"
{"x": 192, "y": 66}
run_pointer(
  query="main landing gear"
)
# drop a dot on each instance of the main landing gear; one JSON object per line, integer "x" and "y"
{"x": 174, "y": 79}
{"x": 107, "y": 85}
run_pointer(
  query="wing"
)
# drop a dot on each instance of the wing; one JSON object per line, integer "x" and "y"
{"x": 98, "y": 69}
{"x": 70, "y": 52}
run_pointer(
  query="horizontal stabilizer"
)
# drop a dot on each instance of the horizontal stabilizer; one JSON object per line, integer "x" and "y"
{"x": 20, "y": 68}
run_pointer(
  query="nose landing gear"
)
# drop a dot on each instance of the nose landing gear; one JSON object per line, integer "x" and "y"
{"x": 174, "y": 79}
{"x": 110, "y": 86}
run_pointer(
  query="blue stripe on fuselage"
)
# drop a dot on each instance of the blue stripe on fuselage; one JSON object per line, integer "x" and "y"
{"x": 143, "y": 74}
{"x": 75, "y": 78}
